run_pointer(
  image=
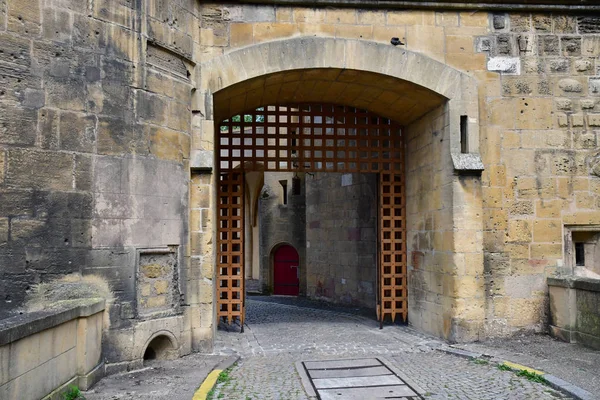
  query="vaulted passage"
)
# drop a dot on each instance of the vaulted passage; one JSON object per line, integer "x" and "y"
{"x": 399, "y": 100}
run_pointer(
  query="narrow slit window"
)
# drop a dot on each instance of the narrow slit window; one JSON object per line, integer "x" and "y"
{"x": 294, "y": 142}
{"x": 464, "y": 134}
{"x": 284, "y": 192}
{"x": 579, "y": 254}
{"x": 296, "y": 185}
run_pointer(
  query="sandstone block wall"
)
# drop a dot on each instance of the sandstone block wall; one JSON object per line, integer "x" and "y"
{"x": 101, "y": 103}
{"x": 95, "y": 132}
{"x": 536, "y": 77}
{"x": 341, "y": 236}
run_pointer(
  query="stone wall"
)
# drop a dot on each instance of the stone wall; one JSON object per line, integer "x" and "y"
{"x": 95, "y": 132}
{"x": 341, "y": 238}
{"x": 281, "y": 224}
{"x": 101, "y": 104}
{"x": 575, "y": 310}
{"x": 539, "y": 137}
{"x": 43, "y": 353}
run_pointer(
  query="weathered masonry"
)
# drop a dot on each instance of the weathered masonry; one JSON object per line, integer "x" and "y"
{"x": 113, "y": 115}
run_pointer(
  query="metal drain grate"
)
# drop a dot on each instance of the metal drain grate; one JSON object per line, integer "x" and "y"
{"x": 362, "y": 378}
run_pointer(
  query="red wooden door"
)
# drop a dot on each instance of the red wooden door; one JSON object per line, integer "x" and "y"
{"x": 286, "y": 274}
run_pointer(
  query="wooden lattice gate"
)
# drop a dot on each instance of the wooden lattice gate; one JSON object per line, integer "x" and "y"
{"x": 311, "y": 138}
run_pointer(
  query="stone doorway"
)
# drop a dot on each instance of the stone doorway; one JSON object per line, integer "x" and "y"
{"x": 286, "y": 271}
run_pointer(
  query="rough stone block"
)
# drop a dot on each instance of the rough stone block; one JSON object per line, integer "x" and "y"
{"x": 57, "y": 25}
{"x": 18, "y": 125}
{"x": 340, "y": 16}
{"x": 542, "y": 22}
{"x": 168, "y": 144}
{"x": 562, "y": 119}
{"x": 368, "y": 17}
{"x": 594, "y": 119}
{"x": 24, "y": 16}
{"x": 39, "y": 169}
{"x": 241, "y": 34}
{"x": 577, "y": 120}
{"x": 558, "y": 66}
{"x": 77, "y": 132}
{"x": 118, "y": 136}
{"x": 548, "y": 45}
{"x": 152, "y": 108}
{"x": 505, "y": 65}
{"x": 309, "y": 15}
{"x": 570, "y": 85}
{"x": 67, "y": 93}
{"x": 588, "y": 24}
{"x": 571, "y": 46}
{"x": 88, "y": 33}
{"x": 354, "y": 31}
{"x": 499, "y": 21}
{"x": 270, "y": 31}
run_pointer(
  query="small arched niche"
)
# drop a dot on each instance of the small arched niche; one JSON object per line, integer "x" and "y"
{"x": 160, "y": 348}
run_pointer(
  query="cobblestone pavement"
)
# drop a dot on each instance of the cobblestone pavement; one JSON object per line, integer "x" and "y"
{"x": 277, "y": 335}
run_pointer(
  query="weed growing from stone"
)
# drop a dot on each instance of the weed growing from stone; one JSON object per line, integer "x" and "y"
{"x": 479, "y": 361}
{"x": 73, "y": 393}
{"x": 223, "y": 378}
{"x": 532, "y": 376}
{"x": 503, "y": 367}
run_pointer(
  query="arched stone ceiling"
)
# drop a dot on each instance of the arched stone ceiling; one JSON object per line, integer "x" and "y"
{"x": 387, "y": 96}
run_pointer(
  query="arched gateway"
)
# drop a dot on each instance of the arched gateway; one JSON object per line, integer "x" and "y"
{"x": 331, "y": 105}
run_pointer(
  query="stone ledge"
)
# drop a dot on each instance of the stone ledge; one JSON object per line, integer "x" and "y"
{"x": 467, "y": 162}
{"x": 202, "y": 160}
{"x": 21, "y": 326}
{"x": 589, "y": 284}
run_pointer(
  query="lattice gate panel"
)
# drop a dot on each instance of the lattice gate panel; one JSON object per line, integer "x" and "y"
{"x": 311, "y": 138}
{"x": 392, "y": 248}
{"x": 230, "y": 252}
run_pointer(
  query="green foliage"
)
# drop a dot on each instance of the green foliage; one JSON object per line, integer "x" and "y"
{"x": 504, "y": 367}
{"x": 224, "y": 377}
{"x": 479, "y": 361}
{"x": 532, "y": 376}
{"x": 247, "y": 119}
{"x": 73, "y": 394}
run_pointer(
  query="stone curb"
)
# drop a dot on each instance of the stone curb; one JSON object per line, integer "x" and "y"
{"x": 553, "y": 381}
{"x": 211, "y": 378}
{"x": 228, "y": 362}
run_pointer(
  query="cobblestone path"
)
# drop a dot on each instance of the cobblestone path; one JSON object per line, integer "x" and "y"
{"x": 277, "y": 335}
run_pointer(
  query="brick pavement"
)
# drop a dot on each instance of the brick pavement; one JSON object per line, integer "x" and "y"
{"x": 278, "y": 335}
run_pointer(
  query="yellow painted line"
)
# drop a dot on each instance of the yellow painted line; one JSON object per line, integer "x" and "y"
{"x": 207, "y": 385}
{"x": 522, "y": 368}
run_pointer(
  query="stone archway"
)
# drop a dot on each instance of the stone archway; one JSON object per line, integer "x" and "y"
{"x": 444, "y": 235}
